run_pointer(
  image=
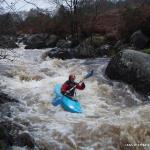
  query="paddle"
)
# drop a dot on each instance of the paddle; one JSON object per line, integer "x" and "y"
{"x": 58, "y": 100}
{"x": 85, "y": 77}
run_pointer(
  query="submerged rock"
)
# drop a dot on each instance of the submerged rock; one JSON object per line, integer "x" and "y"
{"x": 132, "y": 67}
{"x": 25, "y": 139}
{"x": 4, "y": 138}
{"x": 9, "y": 130}
{"x": 59, "y": 53}
{"x": 4, "y": 98}
{"x": 10, "y": 135}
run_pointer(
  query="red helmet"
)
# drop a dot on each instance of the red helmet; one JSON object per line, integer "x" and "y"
{"x": 72, "y": 77}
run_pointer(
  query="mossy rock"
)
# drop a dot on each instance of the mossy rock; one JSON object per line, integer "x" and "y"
{"x": 95, "y": 41}
{"x": 113, "y": 52}
{"x": 147, "y": 51}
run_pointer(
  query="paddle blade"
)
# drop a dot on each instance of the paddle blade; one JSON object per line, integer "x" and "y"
{"x": 89, "y": 74}
{"x": 57, "y": 101}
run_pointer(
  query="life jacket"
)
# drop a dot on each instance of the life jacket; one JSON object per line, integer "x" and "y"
{"x": 71, "y": 85}
{"x": 68, "y": 85}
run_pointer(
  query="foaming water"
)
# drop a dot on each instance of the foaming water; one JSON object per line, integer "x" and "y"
{"x": 113, "y": 114}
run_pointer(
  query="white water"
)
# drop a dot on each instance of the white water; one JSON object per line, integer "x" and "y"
{"x": 113, "y": 114}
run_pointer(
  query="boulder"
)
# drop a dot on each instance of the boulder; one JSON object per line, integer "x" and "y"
{"x": 64, "y": 44}
{"x": 8, "y": 42}
{"x": 51, "y": 41}
{"x": 85, "y": 51}
{"x": 60, "y": 53}
{"x": 36, "y": 41}
{"x": 12, "y": 133}
{"x": 132, "y": 67}
{"x": 95, "y": 41}
{"x": 4, "y": 138}
{"x": 25, "y": 139}
{"x": 138, "y": 40}
{"x": 104, "y": 50}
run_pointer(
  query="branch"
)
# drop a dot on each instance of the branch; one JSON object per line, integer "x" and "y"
{"x": 32, "y": 4}
{"x": 39, "y": 9}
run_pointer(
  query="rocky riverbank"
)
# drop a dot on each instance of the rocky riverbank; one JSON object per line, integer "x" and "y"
{"x": 11, "y": 132}
{"x": 67, "y": 48}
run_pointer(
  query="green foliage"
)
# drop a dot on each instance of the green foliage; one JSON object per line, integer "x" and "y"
{"x": 147, "y": 51}
{"x": 95, "y": 41}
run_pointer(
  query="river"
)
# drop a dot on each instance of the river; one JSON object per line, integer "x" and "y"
{"x": 113, "y": 113}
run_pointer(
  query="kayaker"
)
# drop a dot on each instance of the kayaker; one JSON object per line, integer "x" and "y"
{"x": 70, "y": 83}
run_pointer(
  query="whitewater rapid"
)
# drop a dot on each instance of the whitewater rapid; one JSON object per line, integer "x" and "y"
{"x": 113, "y": 113}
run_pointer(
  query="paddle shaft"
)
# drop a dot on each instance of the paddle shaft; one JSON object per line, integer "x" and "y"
{"x": 85, "y": 77}
{"x": 73, "y": 87}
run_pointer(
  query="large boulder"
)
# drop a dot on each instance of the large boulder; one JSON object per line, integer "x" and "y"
{"x": 132, "y": 67}
{"x": 138, "y": 40}
{"x": 36, "y": 41}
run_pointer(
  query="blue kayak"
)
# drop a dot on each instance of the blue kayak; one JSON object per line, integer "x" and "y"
{"x": 66, "y": 103}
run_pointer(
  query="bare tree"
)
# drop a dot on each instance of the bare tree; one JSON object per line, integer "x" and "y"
{"x": 72, "y": 7}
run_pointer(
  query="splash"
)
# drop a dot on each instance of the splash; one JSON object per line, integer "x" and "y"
{"x": 113, "y": 113}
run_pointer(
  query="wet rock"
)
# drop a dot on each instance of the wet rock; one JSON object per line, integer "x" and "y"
{"x": 85, "y": 51}
{"x": 4, "y": 138}
{"x": 8, "y": 42}
{"x": 104, "y": 50}
{"x": 4, "y": 98}
{"x": 25, "y": 139}
{"x": 139, "y": 40}
{"x": 63, "y": 44}
{"x": 131, "y": 67}
{"x": 23, "y": 38}
{"x": 5, "y": 110}
{"x": 52, "y": 41}
{"x": 60, "y": 53}
{"x": 10, "y": 131}
{"x": 95, "y": 41}
{"x": 36, "y": 41}
{"x": 11, "y": 135}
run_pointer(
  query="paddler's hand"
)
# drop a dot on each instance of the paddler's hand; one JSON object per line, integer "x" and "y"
{"x": 67, "y": 92}
{"x": 81, "y": 82}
